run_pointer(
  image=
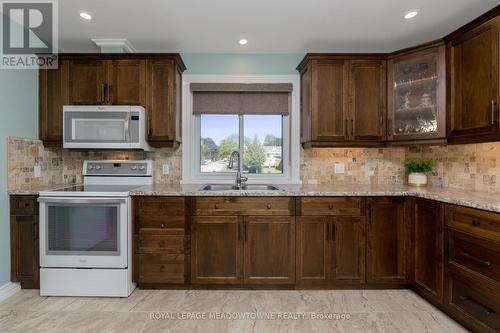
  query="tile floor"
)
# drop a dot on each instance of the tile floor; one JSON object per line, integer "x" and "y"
{"x": 152, "y": 311}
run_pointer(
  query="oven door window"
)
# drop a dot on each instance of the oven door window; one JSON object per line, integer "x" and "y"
{"x": 83, "y": 230}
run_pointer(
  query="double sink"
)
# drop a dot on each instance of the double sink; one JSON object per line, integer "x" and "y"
{"x": 229, "y": 187}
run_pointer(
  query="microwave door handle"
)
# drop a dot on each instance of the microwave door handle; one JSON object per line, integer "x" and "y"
{"x": 127, "y": 128}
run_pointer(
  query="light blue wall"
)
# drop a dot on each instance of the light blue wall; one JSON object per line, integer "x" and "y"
{"x": 18, "y": 117}
{"x": 241, "y": 64}
{"x": 19, "y": 110}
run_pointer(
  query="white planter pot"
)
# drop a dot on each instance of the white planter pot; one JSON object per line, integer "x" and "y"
{"x": 417, "y": 179}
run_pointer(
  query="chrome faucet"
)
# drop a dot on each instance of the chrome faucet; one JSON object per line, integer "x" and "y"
{"x": 239, "y": 179}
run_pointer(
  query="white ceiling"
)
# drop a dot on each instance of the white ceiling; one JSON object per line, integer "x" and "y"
{"x": 271, "y": 26}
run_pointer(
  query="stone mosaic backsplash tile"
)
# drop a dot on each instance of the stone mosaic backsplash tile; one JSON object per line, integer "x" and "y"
{"x": 63, "y": 166}
{"x": 474, "y": 166}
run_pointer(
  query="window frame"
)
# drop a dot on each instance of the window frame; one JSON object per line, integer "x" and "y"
{"x": 191, "y": 129}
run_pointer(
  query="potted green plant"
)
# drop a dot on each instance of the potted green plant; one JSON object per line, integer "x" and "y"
{"x": 416, "y": 171}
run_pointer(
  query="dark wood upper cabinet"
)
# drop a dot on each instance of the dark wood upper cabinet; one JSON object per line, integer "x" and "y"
{"x": 343, "y": 100}
{"x": 53, "y": 95}
{"x": 269, "y": 250}
{"x": 151, "y": 80}
{"x": 163, "y": 104}
{"x": 217, "y": 250}
{"x": 126, "y": 83}
{"x": 87, "y": 81}
{"x": 416, "y": 95}
{"x": 427, "y": 239}
{"x": 473, "y": 83}
{"x": 386, "y": 237}
{"x": 367, "y": 100}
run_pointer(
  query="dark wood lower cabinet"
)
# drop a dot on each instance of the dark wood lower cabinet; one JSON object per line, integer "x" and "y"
{"x": 428, "y": 227}
{"x": 217, "y": 250}
{"x": 25, "y": 267}
{"x": 330, "y": 250}
{"x": 269, "y": 250}
{"x": 386, "y": 237}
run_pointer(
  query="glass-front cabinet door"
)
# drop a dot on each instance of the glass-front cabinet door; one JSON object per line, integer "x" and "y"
{"x": 417, "y": 96}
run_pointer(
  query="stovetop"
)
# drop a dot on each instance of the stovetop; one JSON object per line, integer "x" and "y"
{"x": 91, "y": 191}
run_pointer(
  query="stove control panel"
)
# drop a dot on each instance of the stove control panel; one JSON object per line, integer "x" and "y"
{"x": 118, "y": 168}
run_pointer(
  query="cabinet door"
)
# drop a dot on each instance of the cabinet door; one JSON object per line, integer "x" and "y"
{"x": 475, "y": 81}
{"x": 161, "y": 101}
{"x": 428, "y": 248}
{"x": 386, "y": 240}
{"x": 25, "y": 251}
{"x": 217, "y": 250}
{"x": 127, "y": 82}
{"x": 314, "y": 255}
{"x": 417, "y": 95}
{"x": 53, "y": 95}
{"x": 348, "y": 250}
{"x": 328, "y": 88}
{"x": 367, "y": 100}
{"x": 269, "y": 250}
{"x": 87, "y": 84}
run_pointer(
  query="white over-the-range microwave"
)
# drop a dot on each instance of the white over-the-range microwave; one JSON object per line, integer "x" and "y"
{"x": 104, "y": 127}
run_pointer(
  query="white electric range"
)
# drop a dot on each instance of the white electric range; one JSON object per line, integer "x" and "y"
{"x": 86, "y": 231}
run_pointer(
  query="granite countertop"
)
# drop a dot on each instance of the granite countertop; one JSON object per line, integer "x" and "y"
{"x": 474, "y": 199}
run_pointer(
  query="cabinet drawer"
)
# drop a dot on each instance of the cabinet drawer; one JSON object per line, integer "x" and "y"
{"x": 243, "y": 206}
{"x": 159, "y": 222}
{"x": 160, "y": 206}
{"x": 476, "y": 301}
{"x": 23, "y": 205}
{"x": 161, "y": 243}
{"x": 475, "y": 254}
{"x": 330, "y": 206}
{"x": 164, "y": 268}
{"x": 473, "y": 221}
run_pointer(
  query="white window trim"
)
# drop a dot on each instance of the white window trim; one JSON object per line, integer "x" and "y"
{"x": 190, "y": 127}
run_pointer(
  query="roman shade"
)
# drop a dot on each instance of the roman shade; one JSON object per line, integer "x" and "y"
{"x": 241, "y": 98}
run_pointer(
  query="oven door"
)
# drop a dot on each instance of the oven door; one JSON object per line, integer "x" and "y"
{"x": 84, "y": 232}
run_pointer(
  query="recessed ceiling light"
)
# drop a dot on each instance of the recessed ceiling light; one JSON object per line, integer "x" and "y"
{"x": 85, "y": 16}
{"x": 411, "y": 14}
{"x": 243, "y": 41}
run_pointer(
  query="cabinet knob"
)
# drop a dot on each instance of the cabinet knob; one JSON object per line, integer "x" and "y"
{"x": 330, "y": 206}
{"x": 268, "y": 206}
{"x": 216, "y": 206}
{"x": 476, "y": 223}
{"x": 163, "y": 225}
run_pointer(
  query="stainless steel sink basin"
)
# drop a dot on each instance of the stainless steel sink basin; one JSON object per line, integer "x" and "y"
{"x": 227, "y": 187}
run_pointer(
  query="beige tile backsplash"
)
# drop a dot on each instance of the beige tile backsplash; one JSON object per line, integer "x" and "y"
{"x": 474, "y": 166}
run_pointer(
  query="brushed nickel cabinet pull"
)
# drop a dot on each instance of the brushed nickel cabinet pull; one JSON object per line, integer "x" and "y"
{"x": 163, "y": 225}
{"x": 475, "y": 259}
{"x": 110, "y": 91}
{"x": 330, "y": 206}
{"x": 103, "y": 92}
{"x": 493, "y": 108}
{"x": 486, "y": 310}
{"x": 216, "y": 206}
{"x": 269, "y": 206}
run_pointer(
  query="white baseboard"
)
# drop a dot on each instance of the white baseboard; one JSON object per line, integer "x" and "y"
{"x": 9, "y": 289}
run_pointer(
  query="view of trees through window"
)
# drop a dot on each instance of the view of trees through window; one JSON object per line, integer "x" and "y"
{"x": 262, "y": 136}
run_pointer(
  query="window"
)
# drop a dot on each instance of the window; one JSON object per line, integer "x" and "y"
{"x": 212, "y": 128}
{"x": 258, "y": 139}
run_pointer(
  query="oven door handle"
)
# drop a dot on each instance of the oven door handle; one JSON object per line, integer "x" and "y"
{"x": 99, "y": 200}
